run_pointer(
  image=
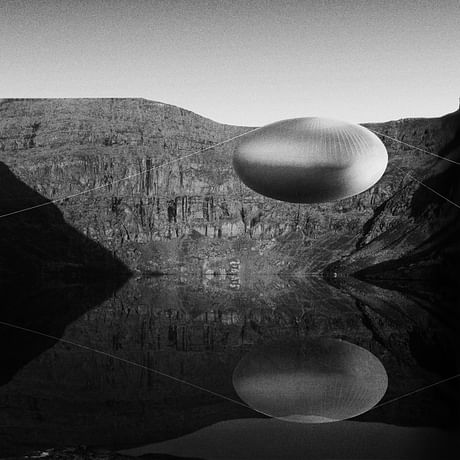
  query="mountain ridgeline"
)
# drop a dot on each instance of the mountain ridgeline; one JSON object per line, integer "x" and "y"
{"x": 194, "y": 215}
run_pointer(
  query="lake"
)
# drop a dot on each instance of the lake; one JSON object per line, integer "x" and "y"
{"x": 196, "y": 329}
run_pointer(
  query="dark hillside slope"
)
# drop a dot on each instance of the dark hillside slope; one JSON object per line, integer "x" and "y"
{"x": 39, "y": 244}
{"x": 423, "y": 242}
{"x": 50, "y": 274}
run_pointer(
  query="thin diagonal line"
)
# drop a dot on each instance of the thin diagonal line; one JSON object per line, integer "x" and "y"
{"x": 428, "y": 187}
{"x": 418, "y": 390}
{"x": 198, "y": 387}
{"x": 127, "y": 361}
{"x": 416, "y": 148}
{"x": 176, "y": 160}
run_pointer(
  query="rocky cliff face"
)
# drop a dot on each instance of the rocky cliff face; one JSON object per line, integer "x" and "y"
{"x": 194, "y": 214}
{"x": 413, "y": 235}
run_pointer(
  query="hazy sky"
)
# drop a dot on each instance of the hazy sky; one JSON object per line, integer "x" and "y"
{"x": 240, "y": 62}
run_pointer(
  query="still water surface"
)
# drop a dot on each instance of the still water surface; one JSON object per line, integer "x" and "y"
{"x": 198, "y": 330}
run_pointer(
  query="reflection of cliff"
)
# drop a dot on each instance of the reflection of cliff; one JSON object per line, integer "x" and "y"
{"x": 39, "y": 255}
{"x": 198, "y": 331}
{"x": 61, "y": 147}
{"x": 420, "y": 332}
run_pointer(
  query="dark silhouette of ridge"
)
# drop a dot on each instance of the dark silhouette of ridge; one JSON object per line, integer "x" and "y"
{"x": 436, "y": 260}
{"x": 50, "y": 274}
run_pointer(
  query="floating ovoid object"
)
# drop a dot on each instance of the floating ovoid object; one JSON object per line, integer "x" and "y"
{"x": 309, "y": 160}
{"x": 310, "y": 381}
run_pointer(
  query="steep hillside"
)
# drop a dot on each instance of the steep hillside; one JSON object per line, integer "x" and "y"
{"x": 194, "y": 214}
{"x": 415, "y": 233}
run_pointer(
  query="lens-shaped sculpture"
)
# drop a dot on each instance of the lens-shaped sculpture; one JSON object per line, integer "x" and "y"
{"x": 309, "y": 160}
{"x": 310, "y": 381}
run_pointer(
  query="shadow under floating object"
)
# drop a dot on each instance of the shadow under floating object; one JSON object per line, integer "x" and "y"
{"x": 310, "y": 381}
{"x": 309, "y": 160}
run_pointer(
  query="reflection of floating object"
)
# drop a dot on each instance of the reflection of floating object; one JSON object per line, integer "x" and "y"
{"x": 307, "y": 160}
{"x": 310, "y": 381}
{"x": 235, "y": 285}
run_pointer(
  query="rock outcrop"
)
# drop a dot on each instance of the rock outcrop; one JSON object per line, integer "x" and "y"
{"x": 153, "y": 219}
{"x": 413, "y": 235}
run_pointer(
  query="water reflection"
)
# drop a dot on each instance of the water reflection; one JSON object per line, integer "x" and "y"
{"x": 311, "y": 381}
{"x": 198, "y": 330}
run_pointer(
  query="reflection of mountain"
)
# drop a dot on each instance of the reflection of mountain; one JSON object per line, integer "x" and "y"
{"x": 198, "y": 331}
{"x": 40, "y": 253}
{"x": 420, "y": 334}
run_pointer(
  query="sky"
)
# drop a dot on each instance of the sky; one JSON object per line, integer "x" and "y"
{"x": 239, "y": 62}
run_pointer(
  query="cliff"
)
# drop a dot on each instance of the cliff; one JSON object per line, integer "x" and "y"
{"x": 413, "y": 235}
{"x": 194, "y": 215}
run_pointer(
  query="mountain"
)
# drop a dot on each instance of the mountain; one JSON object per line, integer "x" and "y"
{"x": 193, "y": 215}
{"x": 414, "y": 233}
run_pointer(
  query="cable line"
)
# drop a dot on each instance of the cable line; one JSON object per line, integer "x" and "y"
{"x": 428, "y": 187}
{"x": 418, "y": 390}
{"x": 413, "y": 177}
{"x": 416, "y": 148}
{"x": 127, "y": 361}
